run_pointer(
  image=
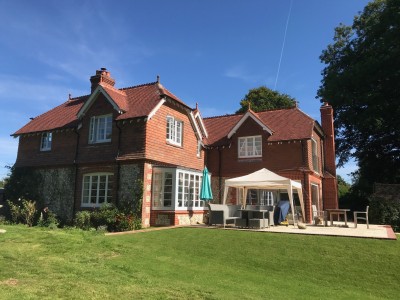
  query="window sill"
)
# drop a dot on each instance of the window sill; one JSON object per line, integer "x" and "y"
{"x": 174, "y": 145}
{"x": 250, "y": 160}
{"x": 92, "y": 205}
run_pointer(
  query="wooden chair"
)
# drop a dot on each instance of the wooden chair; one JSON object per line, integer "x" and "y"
{"x": 318, "y": 215}
{"x": 362, "y": 217}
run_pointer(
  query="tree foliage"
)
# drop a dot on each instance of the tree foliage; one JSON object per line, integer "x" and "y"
{"x": 263, "y": 98}
{"x": 361, "y": 80}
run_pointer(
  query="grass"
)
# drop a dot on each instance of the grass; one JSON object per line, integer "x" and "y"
{"x": 194, "y": 263}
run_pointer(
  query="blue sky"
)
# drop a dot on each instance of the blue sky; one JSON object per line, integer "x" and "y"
{"x": 209, "y": 51}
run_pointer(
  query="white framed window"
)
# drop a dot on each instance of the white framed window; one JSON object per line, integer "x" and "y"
{"x": 97, "y": 189}
{"x": 250, "y": 146}
{"x": 189, "y": 190}
{"x": 259, "y": 197}
{"x": 174, "y": 131}
{"x": 162, "y": 189}
{"x": 100, "y": 129}
{"x": 45, "y": 142}
{"x": 315, "y": 160}
{"x": 176, "y": 189}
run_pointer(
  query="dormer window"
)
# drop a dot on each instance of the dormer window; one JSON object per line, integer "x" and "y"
{"x": 250, "y": 146}
{"x": 45, "y": 143}
{"x": 174, "y": 131}
{"x": 100, "y": 129}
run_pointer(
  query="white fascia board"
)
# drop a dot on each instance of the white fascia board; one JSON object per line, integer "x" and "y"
{"x": 92, "y": 98}
{"x": 203, "y": 128}
{"x": 244, "y": 118}
{"x": 156, "y": 108}
{"x": 197, "y": 130}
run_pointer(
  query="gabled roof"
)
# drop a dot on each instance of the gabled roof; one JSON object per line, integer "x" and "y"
{"x": 132, "y": 102}
{"x": 285, "y": 124}
{"x": 114, "y": 96}
{"x": 249, "y": 114}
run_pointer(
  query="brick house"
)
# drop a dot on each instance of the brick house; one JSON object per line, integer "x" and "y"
{"x": 285, "y": 141}
{"x": 94, "y": 149}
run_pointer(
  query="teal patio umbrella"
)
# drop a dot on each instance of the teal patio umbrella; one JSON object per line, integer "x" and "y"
{"x": 205, "y": 191}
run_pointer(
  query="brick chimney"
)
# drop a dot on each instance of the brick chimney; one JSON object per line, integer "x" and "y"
{"x": 102, "y": 75}
{"x": 329, "y": 183}
{"x": 329, "y": 144}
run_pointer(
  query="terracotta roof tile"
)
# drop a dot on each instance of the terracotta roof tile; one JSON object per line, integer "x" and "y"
{"x": 118, "y": 96}
{"x": 287, "y": 124}
{"x": 136, "y": 101}
{"x": 62, "y": 116}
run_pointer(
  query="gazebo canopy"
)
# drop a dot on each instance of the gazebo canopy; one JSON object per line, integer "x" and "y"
{"x": 265, "y": 179}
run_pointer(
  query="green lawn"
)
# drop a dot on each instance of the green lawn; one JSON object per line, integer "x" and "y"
{"x": 194, "y": 263}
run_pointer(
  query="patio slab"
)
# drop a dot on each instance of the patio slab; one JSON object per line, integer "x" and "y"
{"x": 374, "y": 231}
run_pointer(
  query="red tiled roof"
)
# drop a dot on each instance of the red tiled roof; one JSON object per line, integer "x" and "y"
{"x": 287, "y": 124}
{"x": 62, "y": 116}
{"x": 118, "y": 96}
{"x": 136, "y": 101}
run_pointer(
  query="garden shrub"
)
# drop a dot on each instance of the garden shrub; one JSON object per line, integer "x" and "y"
{"x": 384, "y": 211}
{"x": 82, "y": 220}
{"x": 22, "y": 211}
{"x": 28, "y": 211}
{"x": 48, "y": 219}
{"x": 15, "y": 212}
{"x": 107, "y": 217}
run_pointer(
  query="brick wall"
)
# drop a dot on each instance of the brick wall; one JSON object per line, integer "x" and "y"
{"x": 157, "y": 147}
{"x": 99, "y": 152}
{"x": 62, "y": 149}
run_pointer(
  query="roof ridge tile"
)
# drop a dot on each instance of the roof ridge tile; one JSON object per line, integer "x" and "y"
{"x": 139, "y": 85}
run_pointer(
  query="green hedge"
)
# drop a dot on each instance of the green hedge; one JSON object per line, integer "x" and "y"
{"x": 384, "y": 211}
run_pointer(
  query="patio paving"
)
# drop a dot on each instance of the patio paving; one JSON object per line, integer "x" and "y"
{"x": 374, "y": 231}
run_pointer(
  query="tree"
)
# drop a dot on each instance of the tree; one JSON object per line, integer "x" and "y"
{"x": 263, "y": 98}
{"x": 361, "y": 81}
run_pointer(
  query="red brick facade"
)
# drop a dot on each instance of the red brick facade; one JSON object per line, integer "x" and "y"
{"x": 138, "y": 144}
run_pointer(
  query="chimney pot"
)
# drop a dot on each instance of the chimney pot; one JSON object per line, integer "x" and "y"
{"x": 102, "y": 75}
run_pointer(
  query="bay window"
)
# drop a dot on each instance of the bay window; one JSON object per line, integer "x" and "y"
{"x": 176, "y": 189}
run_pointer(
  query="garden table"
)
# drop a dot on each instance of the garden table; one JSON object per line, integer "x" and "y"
{"x": 338, "y": 212}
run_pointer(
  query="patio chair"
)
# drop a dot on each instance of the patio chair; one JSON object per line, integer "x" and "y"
{"x": 223, "y": 214}
{"x": 318, "y": 215}
{"x": 362, "y": 217}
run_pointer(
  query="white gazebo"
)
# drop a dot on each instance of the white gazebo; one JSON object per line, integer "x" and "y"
{"x": 265, "y": 180}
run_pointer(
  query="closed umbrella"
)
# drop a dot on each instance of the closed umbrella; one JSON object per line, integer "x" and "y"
{"x": 205, "y": 191}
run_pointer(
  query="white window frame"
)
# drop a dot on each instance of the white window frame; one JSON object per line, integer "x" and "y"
{"x": 315, "y": 195}
{"x": 185, "y": 189}
{"x": 100, "y": 129}
{"x": 261, "y": 197}
{"x": 87, "y": 190}
{"x": 46, "y": 141}
{"x": 250, "y": 146}
{"x": 314, "y": 155}
{"x": 188, "y": 190}
{"x": 160, "y": 189}
{"x": 174, "y": 131}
